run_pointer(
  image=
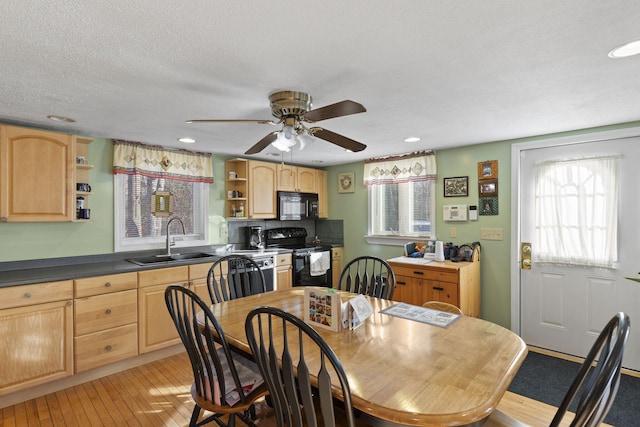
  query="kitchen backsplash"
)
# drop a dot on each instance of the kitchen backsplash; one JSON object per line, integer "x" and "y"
{"x": 329, "y": 231}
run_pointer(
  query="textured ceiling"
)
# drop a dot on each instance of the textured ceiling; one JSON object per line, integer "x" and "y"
{"x": 453, "y": 72}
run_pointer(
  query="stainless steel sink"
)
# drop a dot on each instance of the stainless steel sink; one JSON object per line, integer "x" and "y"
{"x": 165, "y": 259}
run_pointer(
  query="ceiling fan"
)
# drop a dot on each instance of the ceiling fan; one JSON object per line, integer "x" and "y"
{"x": 292, "y": 110}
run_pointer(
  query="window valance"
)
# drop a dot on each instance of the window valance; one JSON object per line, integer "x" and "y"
{"x": 160, "y": 162}
{"x": 420, "y": 166}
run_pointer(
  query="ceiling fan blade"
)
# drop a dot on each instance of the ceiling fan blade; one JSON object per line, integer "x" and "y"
{"x": 342, "y": 141}
{"x": 262, "y": 122}
{"x": 339, "y": 109}
{"x": 262, "y": 144}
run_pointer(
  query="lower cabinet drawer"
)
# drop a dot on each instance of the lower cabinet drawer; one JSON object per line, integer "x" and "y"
{"x": 106, "y": 311}
{"x": 105, "y": 347}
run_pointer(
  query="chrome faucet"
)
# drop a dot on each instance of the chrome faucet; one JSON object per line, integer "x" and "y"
{"x": 169, "y": 242}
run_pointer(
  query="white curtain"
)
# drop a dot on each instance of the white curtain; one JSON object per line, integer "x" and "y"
{"x": 577, "y": 211}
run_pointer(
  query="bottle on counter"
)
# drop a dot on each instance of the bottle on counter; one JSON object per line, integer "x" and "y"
{"x": 233, "y": 210}
{"x": 241, "y": 209}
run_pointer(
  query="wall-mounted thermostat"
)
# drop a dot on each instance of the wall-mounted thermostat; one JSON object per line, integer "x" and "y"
{"x": 455, "y": 212}
{"x": 473, "y": 213}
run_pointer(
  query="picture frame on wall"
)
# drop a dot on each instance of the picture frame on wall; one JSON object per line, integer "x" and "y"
{"x": 489, "y": 206}
{"x": 345, "y": 182}
{"x": 457, "y": 186}
{"x": 488, "y": 169}
{"x": 488, "y": 188}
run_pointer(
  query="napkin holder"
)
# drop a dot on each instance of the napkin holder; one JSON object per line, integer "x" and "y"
{"x": 355, "y": 311}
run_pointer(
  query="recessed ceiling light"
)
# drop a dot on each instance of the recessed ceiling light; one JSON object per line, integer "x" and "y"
{"x": 61, "y": 119}
{"x": 412, "y": 139}
{"x": 187, "y": 140}
{"x": 317, "y": 161}
{"x": 628, "y": 49}
{"x": 273, "y": 154}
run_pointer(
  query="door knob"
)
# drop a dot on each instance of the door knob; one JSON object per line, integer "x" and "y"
{"x": 525, "y": 256}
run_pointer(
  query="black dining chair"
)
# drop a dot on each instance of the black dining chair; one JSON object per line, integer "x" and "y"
{"x": 368, "y": 275}
{"x": 234, "y": 276}
{"x": 215, "y": 367}
{"x": 595, "y": 387}
{"x": 297, "y": 365}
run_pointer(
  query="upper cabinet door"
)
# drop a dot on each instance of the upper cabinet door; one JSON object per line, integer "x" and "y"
{"x": 307, "y": 180}
{"x": 262, "y": 194}
{"x": 37, "y": 175}
{"x": 321, "y": 187}
{"x": 287, "y": 178}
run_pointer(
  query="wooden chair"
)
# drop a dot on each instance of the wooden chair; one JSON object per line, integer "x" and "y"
{"x": 442, "y": 306}
{"x": 368, "y": 275}
{"x": 297, "y": 365}
{"x": 234, "y": 276}
{"x": 595, "y": 385}
{"x": 214, "y": 367}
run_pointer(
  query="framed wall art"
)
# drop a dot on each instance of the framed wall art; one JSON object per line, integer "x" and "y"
{"x": 488, "y": 169}
{"x": 488, "y": 188}
{"x": 488, "y": 206}
{"x": 457, "y": 186}
{"x": 345, "y": 182}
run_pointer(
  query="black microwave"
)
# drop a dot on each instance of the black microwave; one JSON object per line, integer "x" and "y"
{"x": 293, "y": 206}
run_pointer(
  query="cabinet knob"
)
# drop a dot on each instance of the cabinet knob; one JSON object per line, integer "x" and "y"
{"x": 108, "y": 284}
{"x": 27, "y": 295}
{"x": 69, "y": 303}
{"x": 108, "y": 348}
{"x": 108, "y": 311}
{"x": 3, "y": 219}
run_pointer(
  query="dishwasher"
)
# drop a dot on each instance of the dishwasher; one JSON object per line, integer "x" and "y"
{"x": 264, "y": 262}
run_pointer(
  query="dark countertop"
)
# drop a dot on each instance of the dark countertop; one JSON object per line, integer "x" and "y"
{"x": 56, "y": 269}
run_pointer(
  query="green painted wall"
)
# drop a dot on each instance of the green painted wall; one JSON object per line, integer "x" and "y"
{"x": 51, "y": 240}
{"x": 35, "y": 240}
{"x": 496, "y": 257}
{"x": 352, "y": 208}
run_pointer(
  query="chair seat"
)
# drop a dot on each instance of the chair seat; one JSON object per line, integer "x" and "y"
{"x": 248, "y": 373}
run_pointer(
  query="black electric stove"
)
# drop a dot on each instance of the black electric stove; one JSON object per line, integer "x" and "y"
{"x": 311, "y": 262}
{"x": 294, "y": 238}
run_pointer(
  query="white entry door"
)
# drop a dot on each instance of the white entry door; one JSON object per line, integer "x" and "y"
{"x": 564, "y": 308}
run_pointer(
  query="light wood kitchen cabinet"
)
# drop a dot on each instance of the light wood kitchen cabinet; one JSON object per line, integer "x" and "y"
{"x": 254, "y": 184}
{"x": 37, "y": 170}
{"x": 37, "y": 325}
{"x": 284, "y": 276}
{"x": 321, "y": 188}
{"x": 261, "y": 189}
{"x": 198, "y": 280}
{"x": 296, "y": 178}
{"x": 457, "y": 283}
{"x": 155, "y": 326}
{"x": 336, "y": 265}
{"x": 106, "y": 320}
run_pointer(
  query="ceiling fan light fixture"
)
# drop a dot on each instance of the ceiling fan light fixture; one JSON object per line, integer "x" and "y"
{"x": 304, "y": 138}
{"x": 289, "y": 132}
{"x": 282, "y": 143}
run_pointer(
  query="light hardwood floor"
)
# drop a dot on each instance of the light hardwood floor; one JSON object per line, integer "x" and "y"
{"x": 157, "y": 394}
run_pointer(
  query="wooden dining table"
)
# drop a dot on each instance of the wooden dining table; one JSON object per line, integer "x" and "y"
{"x": 401, "y": 371}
